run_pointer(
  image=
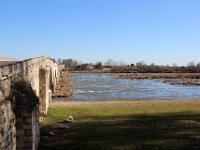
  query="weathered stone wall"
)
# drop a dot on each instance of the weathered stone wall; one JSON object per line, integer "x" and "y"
{"x": 29, "y": 69}
{"x": 20, "y": 129}
{"x": 7, "y": 127}
{"x": 27, "y": 127}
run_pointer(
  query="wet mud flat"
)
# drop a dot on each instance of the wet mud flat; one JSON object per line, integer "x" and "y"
{"x": 171, "y": 78}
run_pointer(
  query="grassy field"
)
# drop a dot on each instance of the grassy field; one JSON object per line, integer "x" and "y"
{"x": 123, "y": 125}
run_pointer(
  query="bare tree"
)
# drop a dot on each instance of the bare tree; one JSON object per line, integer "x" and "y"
{"x": 191, "y": 64}
{"x": 59, "y": 60}
{"x": 109, "y": 62}
{"x": 70, "y": 63}
{"x": 141, "y": 64}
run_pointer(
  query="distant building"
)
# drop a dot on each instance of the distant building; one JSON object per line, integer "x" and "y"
{"x": 6, "y": 60}
{"x": 85, "y": 67}
{"x": 90, "y": 66}
{"x": 61, "y": 66}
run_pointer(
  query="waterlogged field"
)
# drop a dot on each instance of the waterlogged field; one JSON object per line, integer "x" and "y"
{"x": 91, "y": 87}
{"x": 123, "y": 125}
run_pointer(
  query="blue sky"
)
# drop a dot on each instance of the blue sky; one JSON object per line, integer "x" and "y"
{"x": 159, "y": 31}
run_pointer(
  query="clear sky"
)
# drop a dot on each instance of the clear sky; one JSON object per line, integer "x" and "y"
{"x": 159, "y": 31}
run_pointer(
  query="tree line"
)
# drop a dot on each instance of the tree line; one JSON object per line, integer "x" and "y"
{"x": 122, "y": 67}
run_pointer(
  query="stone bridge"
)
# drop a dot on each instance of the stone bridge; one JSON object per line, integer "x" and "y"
{"x": 19, "y": 129}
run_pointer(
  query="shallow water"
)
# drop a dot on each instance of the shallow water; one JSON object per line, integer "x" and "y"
{"x": 91, "y": 87}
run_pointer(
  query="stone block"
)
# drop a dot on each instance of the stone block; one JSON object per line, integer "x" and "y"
{"x": 28, "y": 145}
{"x": 25, "y": 113}
{"x": 27, "y": 127}
{"x": 20, "y": 133}
{"x": 28, "y": 133}
{"x": 27, "y": 121}
{"x": 28, "y": 139}
{"x": 2, "y": 97}
{"x": 5, "y": 143}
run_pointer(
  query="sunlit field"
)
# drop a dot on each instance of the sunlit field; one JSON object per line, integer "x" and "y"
{"x": 119, "y": 125}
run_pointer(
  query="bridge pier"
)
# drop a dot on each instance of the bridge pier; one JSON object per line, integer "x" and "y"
{"x": 27, "y": 126}
{"x": 44, "y": 90}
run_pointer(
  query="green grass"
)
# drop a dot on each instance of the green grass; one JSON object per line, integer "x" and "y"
{"x": 131, "y": 125}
